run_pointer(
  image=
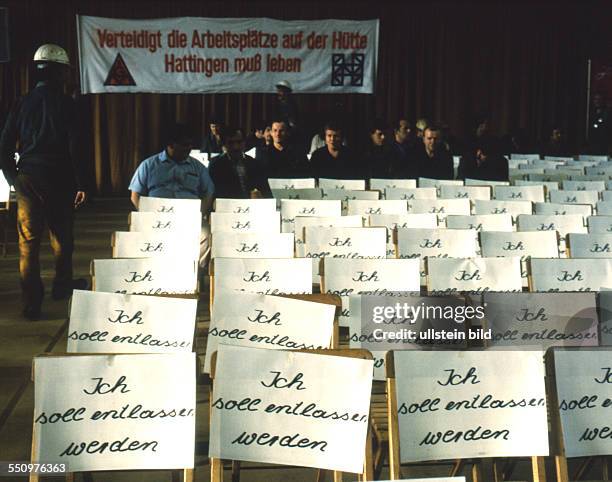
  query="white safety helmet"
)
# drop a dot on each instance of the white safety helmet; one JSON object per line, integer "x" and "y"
{"x": 51, "y": 53}
{"x": 284, "y": 84}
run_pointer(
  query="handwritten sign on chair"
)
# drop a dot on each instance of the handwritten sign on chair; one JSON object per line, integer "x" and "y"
{"x": 574, "y": 197}
{"x": 411, "y": 220}
{"x": 344, "y": 184}
{"x": 271, "y": 322}
{"x": 470, "y": 404}
{"x": 346, "y": 195}
{"x": 244, "y": 206}
{"x": 154, "y": 222}
{"x": 411, "y": 193}
{"x": 340, "y": 242}
{"x": 145, "y": 276}
{"x": 589, "y": 245}
{"x": 116, "y": 323}
{"x": 570, "y": 274}
{"x": 283, "y": 411}
{"x": 584, "y": 185}
{"x": 131, "y": 244}
{"x": 604, "y": 208}
{"x": 99, "y": 412}
{"x": 599, "y": 224}
{"x": 481, "y": 222}
{"x": 421, "y": 243}
{"x": 541, "y": 319}
{"x": 519, "y": 193}
{"x": 440, "y": 207}
{"x": 377, "y": 184}
{"x": 252, "y": 245}
{"x": 367, "y": 208}
{"x": 304, "y": 183}
{"x": 484, "y": 182}
{"x": 514, "y": 208}
{"x": 167, "y": 205}
{"x": 559, "y": 209}
{"x": 291, "y": 208}
{"x": 264, "y": 276}
{"x": 563, "y": 224}
{"x": 263, "y": 222}
{"x": 473, "y": 275}
{"x": 306, "y": 193}
{"x": 302, "y": 222}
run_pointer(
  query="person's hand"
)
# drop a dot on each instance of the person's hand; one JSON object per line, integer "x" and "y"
{"x": 256, "y": 194}
{"x": 79, "y": 199}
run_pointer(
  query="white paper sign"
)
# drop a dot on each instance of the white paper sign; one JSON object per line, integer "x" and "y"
{"x": 570, "y": 274}
{"x": 584, "y": 390}
{"x": 145, "y": 276}
{"x": 474, "y": 275}
{"x": 348, "y": 194}
{"x": 169, "y": 205}
{"x": 574, "y": 197}
{"x": 429, "y": 182}
{"x": 339, "y": 242}
{"x": 484, "y": 182}
{"x": 421, "y": 243}
{"x": 465, "y": 192}
{"x": 569, "y": 223}
{"x": 307, "y": 193}
{"x": 305, "y": 183}
{"x": 393, "y": 221}
{"x": 367, "y": 208}
{"x": 116, "y": 323}
{"x": 244, "y": 206}
{"x": 584, "y": 185}
{"x": 514, "y": 208}
{"x": 470, "y": 404}
{"x": 294, "y": 416}
{"x": 541, "y": 319}
{"x": 599, "y": 224}
{"x": 519, "y": 193}
{"x": 550, "y": 186}
{"x": 103, "y": 413}
{"x": 589, "y": 245}
{"x": 604, "y": 208}
{"x": 190, "y": 223}
{"x": 263, "y": 276}
{"x": 291, "y": 208}
{"x": 130, "y": 244}
{"x": 382, "y": 184}
{"x": 261, "y": 222}
{"x": 481, "y": 222}
{"x": 557, "y": 209}
{"x": 345, "y": 184}
{"x": 302, "y": 222}
{"x": 271, "y": 322}
{"x": 411, "y": 193}
{"x": 252, "y": 245}
{"x": 440, "y": 207}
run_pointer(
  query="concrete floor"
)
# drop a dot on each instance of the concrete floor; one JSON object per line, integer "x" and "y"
{"x": 20, "y": 340}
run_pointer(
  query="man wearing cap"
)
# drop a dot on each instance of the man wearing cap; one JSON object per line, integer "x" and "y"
{"x": 50, "y": 180}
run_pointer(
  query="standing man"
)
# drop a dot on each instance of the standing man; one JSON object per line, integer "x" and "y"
{"x": 50, "y": 180}
{"x": 212, "y": 141}
{"x": 432, "y": 158}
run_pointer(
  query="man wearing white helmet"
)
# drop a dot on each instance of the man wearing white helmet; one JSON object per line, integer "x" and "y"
{"x": 49, "y": 182}
{"x": 286, "y": 108}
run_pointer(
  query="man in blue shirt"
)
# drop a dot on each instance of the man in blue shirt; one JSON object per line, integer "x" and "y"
{"x": 173, "y": 174}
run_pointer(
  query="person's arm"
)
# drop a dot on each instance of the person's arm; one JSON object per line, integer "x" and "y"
{"x": 135, "y": 198}
{"x": 8, "y": 140}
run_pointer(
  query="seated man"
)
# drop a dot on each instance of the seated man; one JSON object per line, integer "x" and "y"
{"x": 403, "y": 144}
{"x": 432, "y": 158}
{"x": 378, "y": 157}
{"x": 173, "y": 174}
{"x": 335, "y": 160}
{"x": 487, "y": 164}
{"x": 555, "y": 146}
{"x": 234, "y": 174}
{"x": 281, "y": 159}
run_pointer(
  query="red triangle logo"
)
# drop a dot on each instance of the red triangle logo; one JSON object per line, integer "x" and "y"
{"x": 119, "y": 74}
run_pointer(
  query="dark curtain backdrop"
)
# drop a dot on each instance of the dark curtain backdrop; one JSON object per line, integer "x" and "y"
{"x": 524, "y": 64}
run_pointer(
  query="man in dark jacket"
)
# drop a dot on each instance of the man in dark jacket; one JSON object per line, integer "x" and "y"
{"x": 432, "y": 158}
{"x": 281, "y": 159}
{"x": 487, "y": 164}
{"x": 335, "y": 160}
{"x": 234, "y": 174}
{"x": 50, "y": 180}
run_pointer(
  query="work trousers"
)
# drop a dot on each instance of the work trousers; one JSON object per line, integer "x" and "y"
{"x": 42, "y": 201}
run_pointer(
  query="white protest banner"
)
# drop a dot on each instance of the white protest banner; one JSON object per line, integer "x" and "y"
{"x": 117, "y": 323}
{"x": 303, "y": 183}
{"x": 465, "y": 192}
{"x": 574, "y": 197}
{"x": 366, "y": 208}
{"x": 245, "y": 206}
{"x": 599, "y": 224}
{"x": 589, "y": 245}
{"x": 514, "y": 208}
{"x": 264, "y": 276}
{"x": 519, "y": 193}
{"x": 212, "y": 55}
{"x": 343, "y": 184}
{"x": 145, "y": 276}
{"x": 291, "y": 208}
{"x": 583, "y": 382}
{"x": 549, "y": 208}
{"x": 271, "y": 322}
{"x": 101, "y": 412}
{"x": 262, "y": 222}
{"x": 480, "y": 222}
{"x": 404, "y": 193}
{"x": 294, "y": 415}
{"x": 169, "y": 205}
{"x": 474, "y": 275}
{"x": 570, "y": 274}
{"x": 302, "y": 222}
{"x": 470, "y": 404}
{"x": 306, "y": 193}
{"x": 133, "y": 244}
{"x": 252, "y": 245}
{"x": 541, "y": 319}
{"x": 377, "y": 184}
{"x": 188, "y": 223}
